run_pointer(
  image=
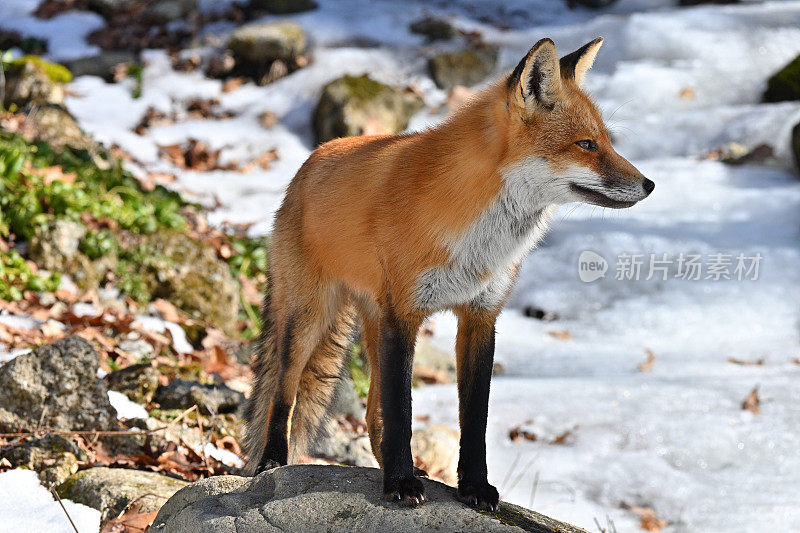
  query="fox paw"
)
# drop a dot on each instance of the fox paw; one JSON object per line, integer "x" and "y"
{"x": 481, "y": 496}
{"x": 408, "y": 492}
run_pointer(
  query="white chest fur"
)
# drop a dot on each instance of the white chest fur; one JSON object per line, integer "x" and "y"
{"x": 482, "y": 260}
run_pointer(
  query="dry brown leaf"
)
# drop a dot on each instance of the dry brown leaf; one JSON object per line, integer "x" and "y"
{"x": 562, "y": 438}
{"x": 167, "y": 311}
{"x": 562, "y": 335}
{"x": 131, "y": 521}
{"x": 687, "y": 93}
{"x": 232, "y": 84}
{"x": 752, "y": 402}
{"x": 742, "y": 362}
{"x": 518, "y": 434}
{"x": 647, "y": 364}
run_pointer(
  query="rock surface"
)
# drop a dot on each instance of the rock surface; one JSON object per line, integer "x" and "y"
{"x": 210, "y": 399}
{"x": 312, "y": 498}
{"x": 784, "y": 84}
{"x": 110, "y": 490}
{"x": 138, "y": 382}
{"x": 466, "y": 67}
{"x": 434, "y": 29}
{"x": 436, "y": 448}
{"x": 27, "y": 82}
{"x": 56, "y": 386}
{"x": 795, "y": 145}
{"x": 343, "y": 447}
{"x": 263, "y": 42}
{"x": 101, "y": 65}
{"x": 359, "y": 105}
{"x": 52, "y": 457}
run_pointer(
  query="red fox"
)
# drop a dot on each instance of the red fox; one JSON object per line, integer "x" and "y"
{"x": 391, "y": 228}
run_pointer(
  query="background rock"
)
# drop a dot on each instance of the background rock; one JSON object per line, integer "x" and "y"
{"x": 263, "y": 42}
{"x": 313, "y": 498}
{"x": 284, "y": 6}
{"x": 163, "y": 11}
{"x": 110, "y": 490}
{"x": 436, "y": 447}
{"x": 189, "y": 274}
{"x": 344, "y": 447}
{"x": 29, "y": 81}
{"x": 432, "y": 365}
{"x": 101, "y": 65}
{"x": 467, "y": 67}
{"x": 138, "y": 382}
{"x": 359, "y": 105}
{"x": 784, "y": 84}
{"x": 55, "y": 385}
{"x": 435, "y": 29}
{"x": 795, "y": 145}
{"x": 52, "y": 457}
{"x": 210, "y": 399}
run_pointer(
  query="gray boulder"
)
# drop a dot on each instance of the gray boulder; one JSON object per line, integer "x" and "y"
{"x": 466, "y": 67}
{"x": 110, "y": 490}
{"x": 164, "y": 11}
{"x": 262, "y": 43}
{"x": 313, "y": 498}
{"x": 359, "y": 105}
{"x": 55, "y": 386}
{"x": 210, "y": 399}
{"x": 101, "y": 65}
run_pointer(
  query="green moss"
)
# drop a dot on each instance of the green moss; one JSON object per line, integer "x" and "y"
{"x": 17, "y": 276}
{"x": 784, "y": 84}
{"x": 54, "y": 71}
{"x": 362, "y": 87}
{"x": 65, "y": 489}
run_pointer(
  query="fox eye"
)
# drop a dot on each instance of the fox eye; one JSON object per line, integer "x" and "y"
{"x": 591, "y": 146}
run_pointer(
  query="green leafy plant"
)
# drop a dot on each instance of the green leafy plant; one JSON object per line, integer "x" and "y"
{"x": 16, "y": 276}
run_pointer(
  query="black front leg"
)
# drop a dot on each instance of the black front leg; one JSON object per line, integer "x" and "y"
{"x": 397, "y": 339}
{"x": 475, "y": 356}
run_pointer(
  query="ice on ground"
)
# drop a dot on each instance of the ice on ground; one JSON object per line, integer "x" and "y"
{"x": 27, "y": 506}
{"x": 126, "y": 408}
{"x": 158, "y": 325}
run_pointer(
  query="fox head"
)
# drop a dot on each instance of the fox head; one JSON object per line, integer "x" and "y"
{"x": 558, "y": 142}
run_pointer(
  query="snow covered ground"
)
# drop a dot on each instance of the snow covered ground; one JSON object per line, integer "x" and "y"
{"x": 674, "y": 438}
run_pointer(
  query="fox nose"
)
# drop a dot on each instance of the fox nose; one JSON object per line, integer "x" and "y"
{"x": 648, "y": 186}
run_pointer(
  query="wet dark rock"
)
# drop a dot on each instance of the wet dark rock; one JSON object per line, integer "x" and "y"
{"x": 784, "y": 84}
{"x": 210, "y": 399}
{"x": 538, "y": 313}
{"x": 284, "y": 6}
{"x": 434, "y": 29}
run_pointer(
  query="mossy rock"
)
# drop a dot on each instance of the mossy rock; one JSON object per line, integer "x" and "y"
{"x": 52, "y": 457}
{"x": 784, "y": 84}
{"x": 466, "y": 67}
{"x": 32, "y": 81}
{"x": 282, "y": 7}
{"x": 189, "y": 274}
{"x": 54, "y": 247}
{"x": 110, "y": 490}
{"x": 359, "y": 105}
{"x": 264, "y": 42}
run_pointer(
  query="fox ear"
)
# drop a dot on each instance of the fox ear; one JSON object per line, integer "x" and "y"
{"x": 536, "y": 78}
{"x": 576, "y": 64}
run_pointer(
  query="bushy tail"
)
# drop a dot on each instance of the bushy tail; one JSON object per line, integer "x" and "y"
{"x": 317, "y": 385}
